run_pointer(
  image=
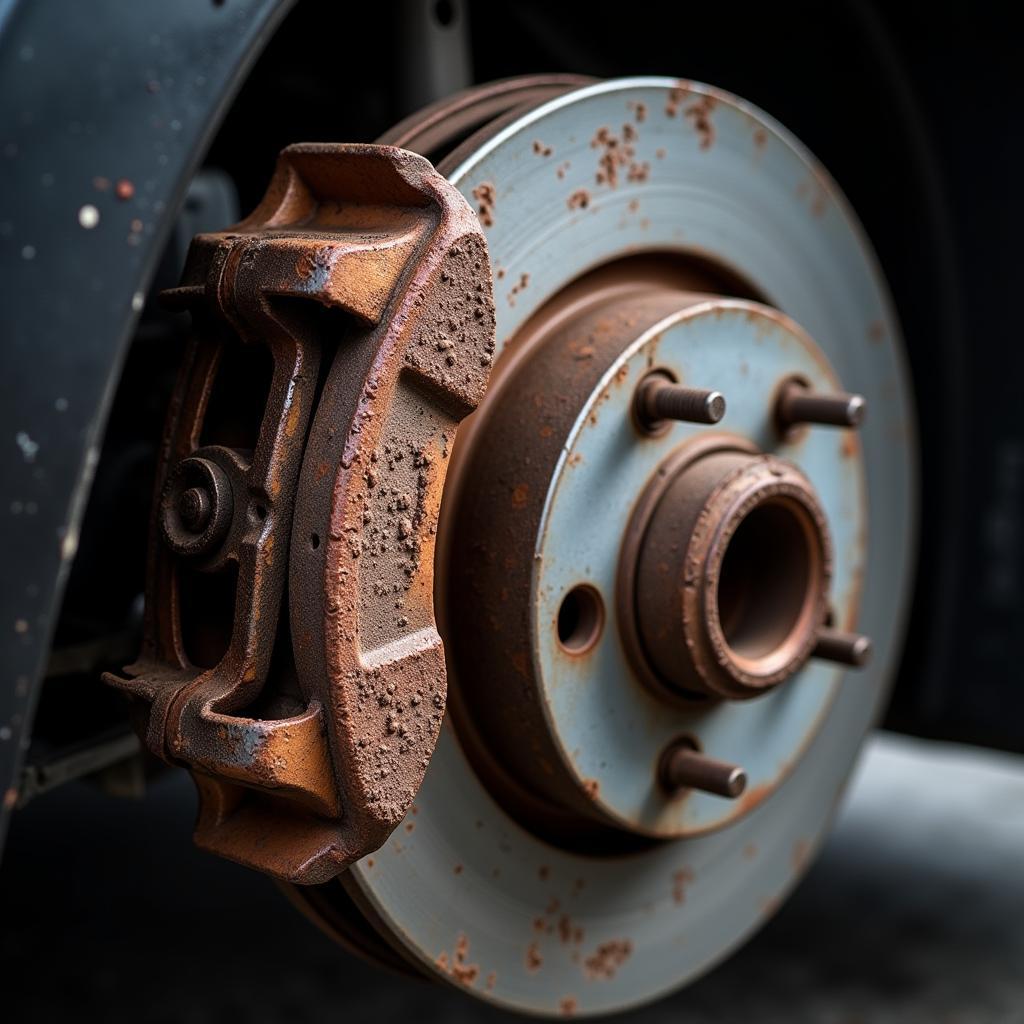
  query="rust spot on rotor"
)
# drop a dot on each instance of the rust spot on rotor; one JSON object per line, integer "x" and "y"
{"x": 456, "y": 966}
{"x": 579, "y": 200}
{"x": 607, "y": 959}
{"x": 699, "y": 115}
{"x": 754, "y": 797}
{"x": 534, "y": 961}
{"x": 485, "y": 194}
{"x": 680, "y": 880}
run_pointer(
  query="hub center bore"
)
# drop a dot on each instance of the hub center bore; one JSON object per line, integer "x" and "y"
{"x": 731, "y": 575}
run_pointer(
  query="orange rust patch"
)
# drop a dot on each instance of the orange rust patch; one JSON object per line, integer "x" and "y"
{"x": 591, "y": 787}
{"x": 457, "y": 870}
{"x": 520, "y": 495}
{"x": 457, "y": 967}
{"x": 753, "y": 797}
{"x": 540, "y": 149}
{"x": 617, "y": 153}
{"x": 699, "y": 114}
{"x": 534, "y": 960}
{"x": 524, "y": 280}
{"x": 760, "y": 138}
{"x": 292, "y": 423}
{"x": 674, "y": 100}
{"x": 607, "y": 958}
{"x": 568, "y": 932}
{"x": 680, "y": 880}
{"x": 579, "y": 200}
{"x": 485, "y": 194}
{"x": 567, "y": 1007}
{"x": 639, "y": 110}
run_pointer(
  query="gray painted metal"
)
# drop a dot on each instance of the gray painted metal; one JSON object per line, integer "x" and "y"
{"x": 610, "y": 726}
{"x": 467, "y": 892}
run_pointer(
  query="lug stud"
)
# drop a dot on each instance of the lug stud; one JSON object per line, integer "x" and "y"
{"x": 659, "y": 399}
{"x": 684, "y": 767}
{"x": 798, "y": 404}
{"x": 851, "y": 649}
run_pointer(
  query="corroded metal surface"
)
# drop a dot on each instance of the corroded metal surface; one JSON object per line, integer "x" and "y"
{"x": 363, "y": 275}
{"x": 734, "y": 562}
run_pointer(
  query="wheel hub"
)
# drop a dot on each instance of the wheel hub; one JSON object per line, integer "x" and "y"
{"x": 619, "y": 583}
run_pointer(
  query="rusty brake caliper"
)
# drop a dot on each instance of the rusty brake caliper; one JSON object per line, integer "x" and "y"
{"x": 365, "y": 276}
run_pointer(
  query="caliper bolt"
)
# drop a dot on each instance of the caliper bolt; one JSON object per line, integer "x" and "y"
{"x": 851, "y": 649}
{"x": 685, "y": 767}
{"x": 658, "y": 399}
{"x": 194, "y": 507}
{"x": 799, "y": 404}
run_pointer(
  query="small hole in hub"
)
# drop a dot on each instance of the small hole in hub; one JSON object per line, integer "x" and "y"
{"x": 580, "y": 619}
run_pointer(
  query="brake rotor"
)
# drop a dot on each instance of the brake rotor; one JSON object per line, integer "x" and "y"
{"x": 543, "y": 867}
{"x": 664, "y": 537}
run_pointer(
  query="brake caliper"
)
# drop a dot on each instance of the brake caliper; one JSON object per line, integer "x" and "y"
{"x": 290, "y": 658}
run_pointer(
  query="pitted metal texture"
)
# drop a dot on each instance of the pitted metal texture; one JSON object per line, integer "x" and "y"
{"x": 364, "y": 277}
